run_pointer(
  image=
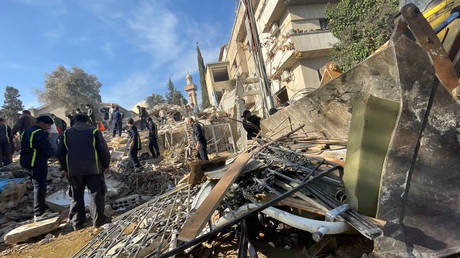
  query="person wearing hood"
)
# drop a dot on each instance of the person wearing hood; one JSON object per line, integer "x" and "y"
{"x": 85, "y": 157}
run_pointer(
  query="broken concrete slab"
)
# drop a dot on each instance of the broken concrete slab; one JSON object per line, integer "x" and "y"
{"x": 60, "y": 201}
{"x": 25, "y": 232}
{"x": 419, "y": 197}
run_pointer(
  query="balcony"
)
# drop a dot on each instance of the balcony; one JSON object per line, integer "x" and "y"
{"x": 271, "y": 11}
{"x": 303, "y": 45}
{"x": 217, "y": 76}
{"x": 314, "y": 44}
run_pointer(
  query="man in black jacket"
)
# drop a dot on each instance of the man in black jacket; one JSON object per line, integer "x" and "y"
{"x": 143, "y": 115}
{"x": 134, "y": 143}
{"x": 153, "y": 138}
{"x": 200, "y": 140}
{"x": 251, "y": 123}
{"x": 35, "y": 151}
{"x": 84, "y": 155}
{"x": 6, "y": 140}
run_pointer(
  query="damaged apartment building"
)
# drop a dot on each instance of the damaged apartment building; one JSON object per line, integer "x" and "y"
{"x": 295, "y": 43}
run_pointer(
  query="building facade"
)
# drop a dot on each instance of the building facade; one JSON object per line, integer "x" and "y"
{"x": 295, "y": 41}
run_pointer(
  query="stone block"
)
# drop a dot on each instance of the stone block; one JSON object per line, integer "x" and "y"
{"x": 25, "y": 232}
{"x": 12, "y": 194}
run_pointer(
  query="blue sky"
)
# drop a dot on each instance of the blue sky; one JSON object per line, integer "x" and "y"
{"x": 132, "y": 46}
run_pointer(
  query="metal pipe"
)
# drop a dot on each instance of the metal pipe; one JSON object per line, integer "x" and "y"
{"x": 446, "y": 22}
{"x": 318, "y": 235}
{"x": 236, "y": 221}
{"x": 302, "y": 223}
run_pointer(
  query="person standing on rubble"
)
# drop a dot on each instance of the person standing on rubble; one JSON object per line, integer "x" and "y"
{"x": 134, "y": 143}
{"x": 251, "y": 123}
{"x": 200, "y": 139}
{"x": 116, "y": 121}
{"x": 35, "y": 151}
{"x": 162, "y": 117}
{"x": 85, "y": 157}
{"x": 153, "y": 138}
{"x": 53, "y": 136}
{"x": 25, "y": 121}
{"x": 6, "y": 142}
{"x": 91, "y": 115}
{"x": 143, "y": 117}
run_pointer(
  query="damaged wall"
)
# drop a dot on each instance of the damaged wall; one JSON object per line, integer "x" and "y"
{"x": 329, "y": 108}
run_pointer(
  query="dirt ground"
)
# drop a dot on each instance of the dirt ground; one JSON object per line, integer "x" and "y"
{"x": 62, "y": 245}
{"x": 66, "y": 244}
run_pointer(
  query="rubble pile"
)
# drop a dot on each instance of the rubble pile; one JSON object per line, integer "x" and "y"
{"x": 20, "y": 211}
{"x": 265, "y": 179}
{"x": 156, "y": 175}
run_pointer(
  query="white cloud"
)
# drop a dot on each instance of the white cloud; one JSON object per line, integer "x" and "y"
{"x": 107, "y": 48}
{"x": 129, "y": 91}
{"x": 167, "y": 37}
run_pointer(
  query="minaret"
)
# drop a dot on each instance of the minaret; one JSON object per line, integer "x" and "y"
{"x": 191, "y": 89}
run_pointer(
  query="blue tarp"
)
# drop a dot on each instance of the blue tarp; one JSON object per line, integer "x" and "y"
{"x": 5, "y": 181}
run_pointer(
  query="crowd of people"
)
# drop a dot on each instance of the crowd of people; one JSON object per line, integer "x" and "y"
{"x": 83, "y": 152}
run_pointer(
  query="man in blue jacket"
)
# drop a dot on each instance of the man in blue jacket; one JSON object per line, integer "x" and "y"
{"x": 84, "y": 155}
{"x": 134, "y": 143}
{"x": 35, "y": 151}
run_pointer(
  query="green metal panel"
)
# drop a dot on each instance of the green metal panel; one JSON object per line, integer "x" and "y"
{"x": 372, "y": 124}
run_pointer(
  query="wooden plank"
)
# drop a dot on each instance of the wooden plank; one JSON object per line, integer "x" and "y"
{"x": 198, "y": 220}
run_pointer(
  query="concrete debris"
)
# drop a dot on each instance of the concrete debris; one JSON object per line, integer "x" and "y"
{"x": 28, "y": 231}
{"x": 11, "y": 193}
{"x": 260, "y": 177}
